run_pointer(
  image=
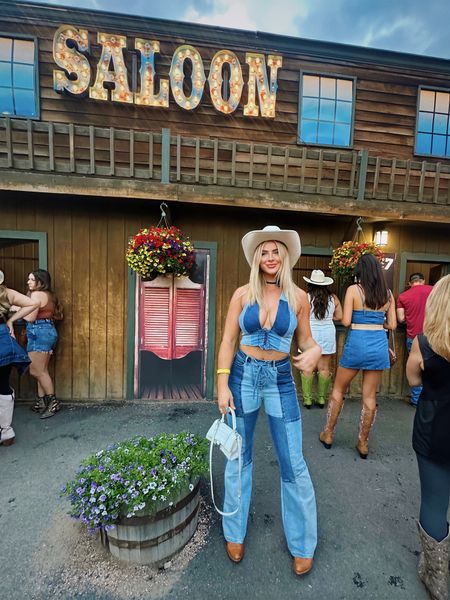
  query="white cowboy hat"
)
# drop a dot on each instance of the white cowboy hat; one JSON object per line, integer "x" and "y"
{"x": 2, "y": 277}
{"x": 272, "y": 233}
{"x": 318, "y": 278}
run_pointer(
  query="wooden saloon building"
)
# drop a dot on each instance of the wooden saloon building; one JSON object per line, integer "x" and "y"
{"x": 105, "y": 116}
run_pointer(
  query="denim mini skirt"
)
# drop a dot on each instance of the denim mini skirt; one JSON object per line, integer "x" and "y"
{"x": 41, "y": 336}
{"x": 10, "y": 351}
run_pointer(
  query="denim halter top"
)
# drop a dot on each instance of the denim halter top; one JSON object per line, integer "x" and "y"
{"x": 279, "y": 337}
{"x": 367, "y": 317}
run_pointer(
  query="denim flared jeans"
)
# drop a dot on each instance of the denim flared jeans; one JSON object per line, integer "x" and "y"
{"x": 253, "y": 383}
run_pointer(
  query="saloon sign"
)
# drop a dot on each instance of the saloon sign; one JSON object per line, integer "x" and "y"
{"x": 71, "y": 52}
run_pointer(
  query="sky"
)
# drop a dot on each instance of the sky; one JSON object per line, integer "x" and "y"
{"x": 413, "y": 26}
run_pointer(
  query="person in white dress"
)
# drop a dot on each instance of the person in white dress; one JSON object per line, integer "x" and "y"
{"x": 325, "y": 308}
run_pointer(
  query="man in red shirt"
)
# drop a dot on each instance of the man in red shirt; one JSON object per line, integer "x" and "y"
{"x": 411, "y": 308}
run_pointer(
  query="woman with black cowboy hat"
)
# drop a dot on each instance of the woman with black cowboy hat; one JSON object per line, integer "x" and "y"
{"x": 11, "y": 354}
{"x": 264, "y": 316}
{"x": 325, "y": 308}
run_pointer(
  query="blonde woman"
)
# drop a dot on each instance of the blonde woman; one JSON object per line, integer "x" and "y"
{"x": 11, "y": 354}
{"x": 263, "y": 317}
{"x": 429, "y": 365}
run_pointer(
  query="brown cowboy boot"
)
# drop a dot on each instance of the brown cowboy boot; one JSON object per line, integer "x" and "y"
{"x": 365, "y": 425}
{"x": 333, "y": 412}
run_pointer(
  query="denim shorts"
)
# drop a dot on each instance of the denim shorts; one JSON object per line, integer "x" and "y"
{"x": 41, "y": 336}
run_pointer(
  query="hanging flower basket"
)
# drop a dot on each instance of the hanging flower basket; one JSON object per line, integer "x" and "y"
{"x": 345, "y": 257}
{"x": 159, "y": 251}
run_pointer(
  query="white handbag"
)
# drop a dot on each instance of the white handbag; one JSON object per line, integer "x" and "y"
{"x": 230, "y": 443}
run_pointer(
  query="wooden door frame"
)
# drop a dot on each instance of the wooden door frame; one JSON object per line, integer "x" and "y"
{"x": 406, "y": 257}
{"x": 210, "y": 334}
{"x": 30, "y": 236}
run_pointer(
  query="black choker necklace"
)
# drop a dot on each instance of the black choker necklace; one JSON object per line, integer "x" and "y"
{"x": 271, "y": 282}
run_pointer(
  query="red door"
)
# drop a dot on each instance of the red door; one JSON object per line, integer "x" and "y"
{"x": 171, "y": 316}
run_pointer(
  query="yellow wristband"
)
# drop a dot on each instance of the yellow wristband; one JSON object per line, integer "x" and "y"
{"x": 224, "y": 371}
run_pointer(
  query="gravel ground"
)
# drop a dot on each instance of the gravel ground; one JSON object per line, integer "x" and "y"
{"x": 72, "y": 564}
{"x": 367, "y": 512}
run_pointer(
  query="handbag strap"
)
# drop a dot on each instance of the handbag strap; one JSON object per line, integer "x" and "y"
{"x": 211, "y": 445}
{"x": 393, "y": 339}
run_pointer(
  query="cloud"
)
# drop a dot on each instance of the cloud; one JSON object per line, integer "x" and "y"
{"x": 261, "y": 15}
{"x": 411, "y": 26}
{"x": 404, "y": 25}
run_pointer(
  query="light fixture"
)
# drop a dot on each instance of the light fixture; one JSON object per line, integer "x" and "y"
{"x": 381, "y": 237}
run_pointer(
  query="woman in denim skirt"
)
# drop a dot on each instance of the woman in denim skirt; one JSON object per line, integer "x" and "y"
{"x": 11, "y": 354}
{"x": 41, "y": 341}
{"x": 264, "y": 316}
{"x": 369, "y": 310}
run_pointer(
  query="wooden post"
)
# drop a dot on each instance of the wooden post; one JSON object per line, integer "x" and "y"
{"x": 72, "y": 148}
{"x": 364, "y": 161}
{"x": 91, "y": 149}
{"x": 286, "y": 168}
{"x": 392, "y": 179}
{"x": 150, "y": 155}
{"x": 9, "y": 149}
{"x": 216, "y": 155}
{"x": 178, "y": 157}
{"x": 131, "y": 152}
{"x": 30, "y": 144}
{"x": 376, "y": 177}
{"x": 165, "y": 156}
{"x": 111, "y": 151}
{"x": 436, "y": 182}
{"x": 197, "y": 160}
{"x": 51, "y": 147}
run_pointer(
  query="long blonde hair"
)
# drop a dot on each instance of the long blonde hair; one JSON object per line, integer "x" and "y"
{"x": 436, "y": 325}
{"x": 4, "y": 302}
{"x": 284, "y": 277}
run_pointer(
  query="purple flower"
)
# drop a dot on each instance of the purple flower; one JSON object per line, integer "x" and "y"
{"x": 102, "y": 498}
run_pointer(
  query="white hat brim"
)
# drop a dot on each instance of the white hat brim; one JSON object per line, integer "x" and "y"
{"x": 326, "y": 281}
{"x": 288, "y": 237}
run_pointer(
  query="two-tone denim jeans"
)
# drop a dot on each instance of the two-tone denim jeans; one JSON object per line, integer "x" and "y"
{"x": 253, "y": 383}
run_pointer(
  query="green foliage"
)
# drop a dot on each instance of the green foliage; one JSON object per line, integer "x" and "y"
{"x": 135, "y": 475}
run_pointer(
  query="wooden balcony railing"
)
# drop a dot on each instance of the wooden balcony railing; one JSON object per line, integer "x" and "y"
{"x": 48, "y": 147}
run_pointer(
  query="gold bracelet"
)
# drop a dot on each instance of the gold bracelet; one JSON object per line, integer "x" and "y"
{"x": 224, "y": 371}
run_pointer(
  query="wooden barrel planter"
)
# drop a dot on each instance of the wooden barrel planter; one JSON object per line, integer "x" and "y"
{"x": 153, "y": 539}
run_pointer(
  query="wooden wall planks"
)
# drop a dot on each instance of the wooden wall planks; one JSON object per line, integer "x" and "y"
{"x": 385, "y": 98}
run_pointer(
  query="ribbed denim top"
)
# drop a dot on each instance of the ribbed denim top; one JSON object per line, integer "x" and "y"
{"x": 367, "y": 317}
{"x": 279, "y": 337}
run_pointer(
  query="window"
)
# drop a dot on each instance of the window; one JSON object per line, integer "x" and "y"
{"x": 17, "y": 78}
{"x": 326, "y": 110}
{"x": 433, "y": 123}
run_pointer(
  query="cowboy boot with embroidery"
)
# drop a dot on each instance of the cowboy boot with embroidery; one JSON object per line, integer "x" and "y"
{"x": 323, "y": 384}
{"x": 307, "y": 384}
{"x": 433, "y": 564}
{"x": 365, "y": 425}
{"x": 333, "y": 411}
